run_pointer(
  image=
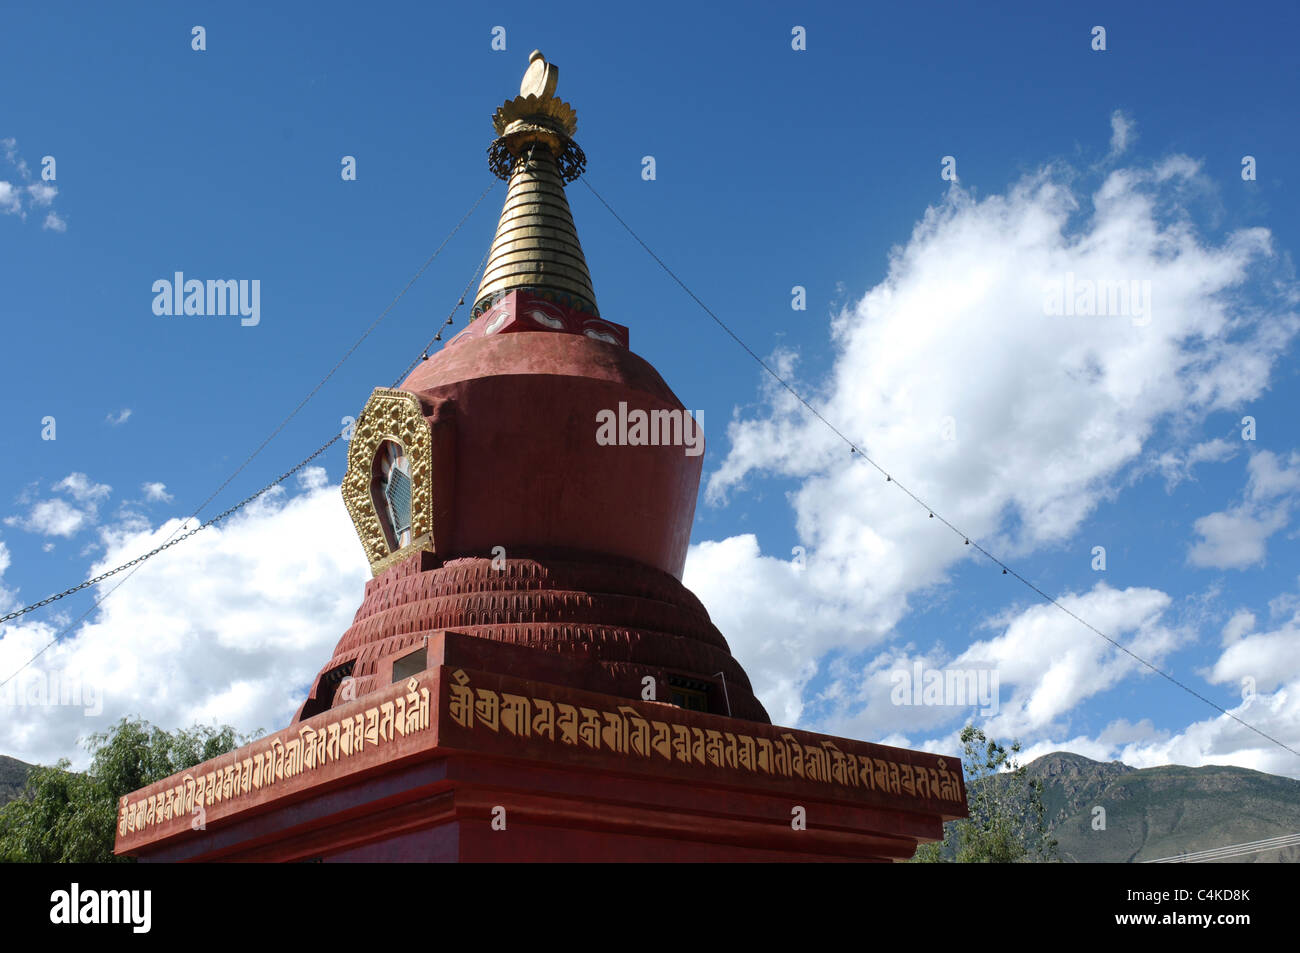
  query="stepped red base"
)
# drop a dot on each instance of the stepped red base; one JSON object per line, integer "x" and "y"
{"x": 460, "y": 759}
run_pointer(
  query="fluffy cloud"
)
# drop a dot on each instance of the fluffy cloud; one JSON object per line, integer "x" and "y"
{"x": 1015, "y": 423}
{"x": 11, "y": 201}
{"x": 775, "y": 604}
{"x": 8, "y": 601}
{"x": 1270, "y": 478}
{"x": 1121, "y": 132}
{"x": 41, "y": 194}
{"x": 1052, "y": 664}
{"x": 53, "y": 517}
{"x": 1259, "y": 670}
{"x": 81, "y": 488}
{"x": 1269, "y": 660}
{"x": 1240, "y": 623}
{"x": 231, "y": 626}
{"x": 156, "y": 492}
{"x": 9, "y": 146}
{"x": 57, "y": 516}
{"x": 1039, "y": 666}
{"x": 119, "y": 418}
{"x": 1224, "y": 740}
{"x": 1176, "y": 466}
{"x": 1237, "y": 538}
{"x": 1234, "y": 539}
{"x": 38, "y": 195}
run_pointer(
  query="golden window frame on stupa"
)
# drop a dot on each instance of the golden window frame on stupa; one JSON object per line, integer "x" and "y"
{"x": 390, "y": 416}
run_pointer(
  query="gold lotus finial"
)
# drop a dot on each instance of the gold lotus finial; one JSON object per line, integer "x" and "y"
{"x": 536, "y": 117}
{"x": 540, "y": 78}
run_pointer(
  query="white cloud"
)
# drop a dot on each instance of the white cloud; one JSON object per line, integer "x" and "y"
{"x": 776, "y": 605}
{"x": 1176, "y": 466}
{"x": 119, "y": 418}
{"x": 1222, "y": 740}
{"x": 81, "y": 488}
{"x": 1269, "y": 659}
{"x": 10, "y": 147}
{"x": 1270, "y": 479}
{"x": 1048, "y": 415}
{"x": 1044, "y": 662}
{"x": 1237, "y": 538}
{"x": 1211, "y": 451}
{"x": 53, "y": 517}
{"x": 313, "y": 478}
{"x": 8, "y": 600}
{"x": 10, "y": 198}
{"x": 41, "y": 193}
{"x": 1218, "y": 739}
{"x": 1121, "y": 132}
{"x": 1261, "y": 672}
{"x": 38, "y": 194}
{"x": 1052, "y": 663}
{"x": 1240, "y": 623}
{"x": 156, "y": 492}
{"x": 230, "y": 626}
{"x": 1234, "y": 539}
{"x": 58, "y": 517}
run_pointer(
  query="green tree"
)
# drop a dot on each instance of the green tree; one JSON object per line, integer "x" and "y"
{"x": 1007, "y": 823}
{"x": 63, "y": 816}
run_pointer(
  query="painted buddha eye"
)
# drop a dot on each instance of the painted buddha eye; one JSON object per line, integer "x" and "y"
{"x": 601, "y": 336}
{"x": 547, "y": 321}
{"x": 495, "y": 324}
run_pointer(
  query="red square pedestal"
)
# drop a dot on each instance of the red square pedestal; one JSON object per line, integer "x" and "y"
{"x": 477, "y": 751}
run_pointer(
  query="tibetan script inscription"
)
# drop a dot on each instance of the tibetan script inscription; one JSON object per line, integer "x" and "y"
{"x": 628, "y": 733}
{"x": 310, "y": 750}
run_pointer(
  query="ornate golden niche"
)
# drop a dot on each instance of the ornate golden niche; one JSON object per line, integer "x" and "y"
{"x": 390, "y": 415}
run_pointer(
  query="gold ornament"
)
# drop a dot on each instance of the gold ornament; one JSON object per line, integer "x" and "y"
{"x": 390, "y": 415}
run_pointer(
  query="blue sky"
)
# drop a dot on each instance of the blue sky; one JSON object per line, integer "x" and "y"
{"x": 774, "y": 168}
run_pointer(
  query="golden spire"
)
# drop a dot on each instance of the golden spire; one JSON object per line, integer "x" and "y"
{"x": 536, "y": 245}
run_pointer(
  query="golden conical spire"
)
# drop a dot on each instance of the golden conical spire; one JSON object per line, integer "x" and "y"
{"x": 536, "y": 245}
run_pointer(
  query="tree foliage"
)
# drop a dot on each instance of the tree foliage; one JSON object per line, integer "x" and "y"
{"x": 1007, "y": 823}
{"x": 63, "y": 816}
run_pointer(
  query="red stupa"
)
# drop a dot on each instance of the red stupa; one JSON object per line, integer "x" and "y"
{"x": 527, "y": 678}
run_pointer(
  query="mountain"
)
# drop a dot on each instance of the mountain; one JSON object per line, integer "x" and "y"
{"x": 13, "y": 775}
{"x": 1160, "y": 812}
{"x": 1152, "y": 813}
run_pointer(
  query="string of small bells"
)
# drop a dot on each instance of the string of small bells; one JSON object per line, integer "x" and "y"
{"x": 438, "y": 336}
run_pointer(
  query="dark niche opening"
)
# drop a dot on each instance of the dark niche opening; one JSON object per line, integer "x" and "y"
{"x": 390, "y": 493}
{"x": 326, "y": 688}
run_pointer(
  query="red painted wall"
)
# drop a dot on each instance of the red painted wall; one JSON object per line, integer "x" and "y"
{"x": 528, "y": 469}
